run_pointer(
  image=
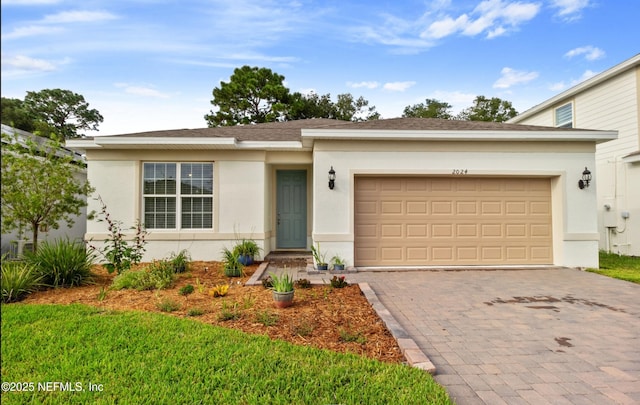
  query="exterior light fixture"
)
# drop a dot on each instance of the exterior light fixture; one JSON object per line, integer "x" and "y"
{"x": 586, "y": 178}
{"x": 332, "y": 178}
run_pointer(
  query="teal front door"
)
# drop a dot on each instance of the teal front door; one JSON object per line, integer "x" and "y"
{"x": 291, "y": 214}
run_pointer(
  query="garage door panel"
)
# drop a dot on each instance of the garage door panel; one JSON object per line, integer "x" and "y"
{"x": 449, "y": 221}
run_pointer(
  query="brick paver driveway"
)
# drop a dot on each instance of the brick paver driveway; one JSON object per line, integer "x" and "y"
{"x": 557, "y": 336}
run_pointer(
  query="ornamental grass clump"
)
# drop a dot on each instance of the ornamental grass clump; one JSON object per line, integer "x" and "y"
{"x": 18, "y": 280}
{"x": 62, "y": 263}
{"x": 156, "y": 276}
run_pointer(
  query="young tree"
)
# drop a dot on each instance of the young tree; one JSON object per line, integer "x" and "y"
{"x": 252, "y": 95}
{"x": 431, "y": 108}
{"x": 39, "y": 186}
{"x": 484, "y": 109}
{"x": 63, "y": 110}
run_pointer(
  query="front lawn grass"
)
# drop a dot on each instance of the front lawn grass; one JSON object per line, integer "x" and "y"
{"x": 621, "y": 267}
{"x": 150, "y": 358}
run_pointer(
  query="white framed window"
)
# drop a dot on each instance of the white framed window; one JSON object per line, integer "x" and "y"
{"x": 564, "y": 116}
{"x": 177, "y": 195}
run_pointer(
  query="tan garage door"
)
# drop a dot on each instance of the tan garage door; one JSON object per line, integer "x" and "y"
{"x": 452, "y": 221}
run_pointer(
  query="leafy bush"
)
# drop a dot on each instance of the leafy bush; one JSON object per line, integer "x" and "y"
{"x": 118, "y": 254}
{"x": 267, "y": 318}
{"x": 180, "y": 261}
{"x": 186, "y": 290}
{"x": 62, "y": 263}
{"x": 18, "y": 279}
{"x": 229, "y": 312}
{"x": 195, "y": 312}
{"x": 168, "y": 305}
{"x": 157, "y": 275}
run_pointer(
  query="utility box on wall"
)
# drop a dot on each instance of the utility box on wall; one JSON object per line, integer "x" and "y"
{"x": 609, "y": 215}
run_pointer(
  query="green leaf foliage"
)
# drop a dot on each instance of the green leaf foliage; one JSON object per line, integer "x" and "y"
{"x": 40, "y": 186}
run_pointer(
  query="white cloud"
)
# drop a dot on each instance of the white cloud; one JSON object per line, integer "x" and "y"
{"x": 510, "y": 77}
{"x": 18, "y": 65}
{"x": 570, "y": 10}
{"x": 589, "y": 52}
{"x": 398, "y": 86}
{"x": 493, "y": 17}
{"x": 368, "y": 85}
{"x": 78, "y": 16}
{"x": 561, "y": 86}
{"x": 141, "y": 91}
{"x": 32, "y": 30}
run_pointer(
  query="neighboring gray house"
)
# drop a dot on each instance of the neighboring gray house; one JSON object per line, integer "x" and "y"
{"x": 15, "y": 242}
{"x": 607, "y": 101}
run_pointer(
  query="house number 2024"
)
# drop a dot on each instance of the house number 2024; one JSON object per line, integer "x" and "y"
{"x": 459, "y": 172}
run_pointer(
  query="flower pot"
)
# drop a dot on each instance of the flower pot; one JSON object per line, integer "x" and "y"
{"x": 338, "y": 267}
{"x": 283, "y": 299}
{"x": 245, "y": 260}
{"x": 323, "y": 266}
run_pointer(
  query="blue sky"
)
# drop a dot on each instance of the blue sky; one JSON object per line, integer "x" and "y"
{"x": 152, "y": 64}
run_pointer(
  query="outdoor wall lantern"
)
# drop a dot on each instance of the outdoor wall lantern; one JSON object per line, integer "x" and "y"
{"x": 332, "y": 178}
{"x": 586, "y": 178}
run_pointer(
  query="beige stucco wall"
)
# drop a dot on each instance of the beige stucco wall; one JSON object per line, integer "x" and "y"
{"x": 239, "y": 203}
{"x": 574, "y": 219}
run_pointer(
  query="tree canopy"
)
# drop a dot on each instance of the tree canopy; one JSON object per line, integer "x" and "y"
{"x": 488, "y": 109}
{"x": 40, "y": 186}
{"x": 255, "y": 95}
{"x": 483, "y": 109}
{"x": 52, "y": 113}
{"x": 431, "y": 108}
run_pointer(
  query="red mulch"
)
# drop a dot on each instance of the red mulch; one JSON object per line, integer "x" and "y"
{"x": 316, "y": 318}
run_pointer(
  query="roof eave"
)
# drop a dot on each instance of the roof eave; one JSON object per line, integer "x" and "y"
{"x": 310, "y": 135}
{"x": 180, "y": 143}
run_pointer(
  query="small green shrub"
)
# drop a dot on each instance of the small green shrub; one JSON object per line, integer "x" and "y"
{"x": 62, "y": 263}
{"x": 102, "y": 294}
{"x": 229, "y": 312}
{"x": 180, "y": 261}
{"x": 168, "y": 305}
{"x": 349, "y": 336}
{"x": 267, "y": 318}
{"x": 18, "y": 279}
{"x": 195, "y": 312}
{"x": 303, "y": 328}
{"x": 186, "y": 290}
{"x": 157, "y": 275}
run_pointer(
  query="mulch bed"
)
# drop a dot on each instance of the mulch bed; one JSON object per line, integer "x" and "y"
{"x": 321, "y": 316}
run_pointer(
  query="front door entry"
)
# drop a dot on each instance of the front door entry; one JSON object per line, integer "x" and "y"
{"x": 291, "y": 209}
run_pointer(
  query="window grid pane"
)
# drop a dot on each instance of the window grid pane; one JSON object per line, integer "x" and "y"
{"x": 160, "y": 195}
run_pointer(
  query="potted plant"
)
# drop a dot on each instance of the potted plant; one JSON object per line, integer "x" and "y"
{"x": 231, "y": 263}
{"x": 338, "y": 262}
{"x": 282, "y": 289}
{"x": 247, "y": 250}
{"x": 319, "y": 257}
{"x": 180, "y": 261}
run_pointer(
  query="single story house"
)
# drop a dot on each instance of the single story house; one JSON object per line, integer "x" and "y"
{"x": 407, "y": 191}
